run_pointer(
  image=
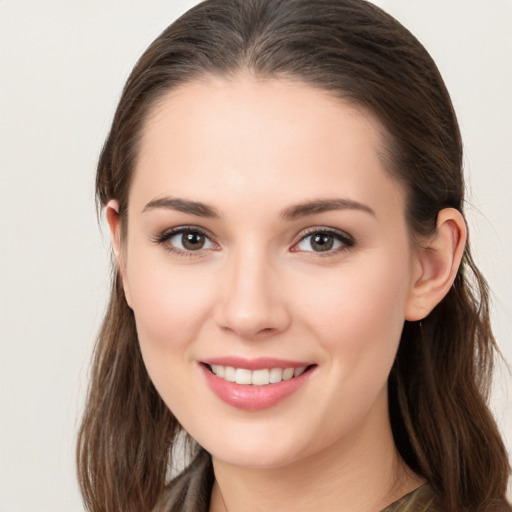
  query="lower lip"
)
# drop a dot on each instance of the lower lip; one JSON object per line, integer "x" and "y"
{"x": 254, "y": 398}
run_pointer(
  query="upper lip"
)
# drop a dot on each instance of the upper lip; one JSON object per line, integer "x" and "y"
{"x": 259, "y": 363}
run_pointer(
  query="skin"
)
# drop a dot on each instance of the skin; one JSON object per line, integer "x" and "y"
{"x": 251, "y": 150}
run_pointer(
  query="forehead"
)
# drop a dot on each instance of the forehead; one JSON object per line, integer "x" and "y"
{"x": 243, "y": 136}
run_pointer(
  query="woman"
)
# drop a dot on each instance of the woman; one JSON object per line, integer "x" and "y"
{"x": 293, "y": 287}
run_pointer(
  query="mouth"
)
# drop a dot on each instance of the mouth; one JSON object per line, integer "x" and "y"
{"x": 259, "y": 377}
{"x": 255, "y": 384}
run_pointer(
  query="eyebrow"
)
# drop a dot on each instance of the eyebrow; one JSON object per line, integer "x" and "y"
{"x": 291, "y": 213}
{"x": 183, "y": 205}
{"x": 323, "y": 205}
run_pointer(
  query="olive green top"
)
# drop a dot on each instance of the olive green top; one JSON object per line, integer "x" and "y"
{"x": 190, "y": 492}
{"x": 420, "y": 500}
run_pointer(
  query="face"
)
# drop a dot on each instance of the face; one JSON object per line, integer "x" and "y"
{"x": 265, "y": 239}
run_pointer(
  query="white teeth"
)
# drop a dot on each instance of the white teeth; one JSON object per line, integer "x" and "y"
{"x": 299, "y": 371}
{"x": 288, "y": 373}
{"x": 243, "y": 376}
{"x": 260, "y": 377}
{"x": 257, "y": 377}
{"x": 276, "y": 375}
{"x": 229, "y": 374}
{"x": 218, "y": 370}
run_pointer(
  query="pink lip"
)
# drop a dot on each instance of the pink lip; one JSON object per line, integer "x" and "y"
{"x": 253, "y": 397}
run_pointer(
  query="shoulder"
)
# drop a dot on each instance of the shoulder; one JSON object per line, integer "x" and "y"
{"x": 423, "y": 499}
{"x": 190, "y": 490}
{"x": 420, "y": 500}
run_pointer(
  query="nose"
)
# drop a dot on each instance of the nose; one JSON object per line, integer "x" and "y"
{"x": 252, "y": 301}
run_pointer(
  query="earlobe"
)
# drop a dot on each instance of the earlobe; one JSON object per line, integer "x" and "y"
{"x": 438, "y": 262}
{"x": 112, "y": 215}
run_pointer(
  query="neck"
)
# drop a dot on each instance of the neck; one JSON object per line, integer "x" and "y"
{"x": 362, "y": 472}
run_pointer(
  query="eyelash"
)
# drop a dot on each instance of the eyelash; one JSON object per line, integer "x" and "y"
{"x": 344, "y": 239}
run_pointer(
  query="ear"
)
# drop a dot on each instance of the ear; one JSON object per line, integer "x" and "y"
{"x": 438, "y": 261}
{"x": 112, "y": 215}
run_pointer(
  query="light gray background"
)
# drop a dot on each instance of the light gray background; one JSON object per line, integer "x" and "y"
{"x": 62, "y": 66}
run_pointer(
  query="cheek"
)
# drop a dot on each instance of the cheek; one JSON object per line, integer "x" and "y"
{"x": 358, "y": 314}
{"x": 170, "y": 302}
{"x": 357, "y": 319}
{"x": 171, "y": 306}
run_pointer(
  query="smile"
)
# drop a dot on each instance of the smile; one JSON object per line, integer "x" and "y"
{"x": 257, "y": 383}
{"x": 262, "y": 377}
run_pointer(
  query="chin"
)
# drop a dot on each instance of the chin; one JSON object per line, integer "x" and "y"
{"x": 253, "y": 450}
{"x": 260, "y": 459}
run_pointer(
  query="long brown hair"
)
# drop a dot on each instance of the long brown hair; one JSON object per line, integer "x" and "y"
{"x": 439, "y": 384}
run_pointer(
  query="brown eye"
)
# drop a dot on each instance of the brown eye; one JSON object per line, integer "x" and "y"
{"x": 185, "y": 240}
{"x": 192, "y": 240}
{"x": 324, "y": 241}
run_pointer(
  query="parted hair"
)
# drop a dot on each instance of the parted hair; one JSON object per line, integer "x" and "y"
{"x": 439, "y": 383}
